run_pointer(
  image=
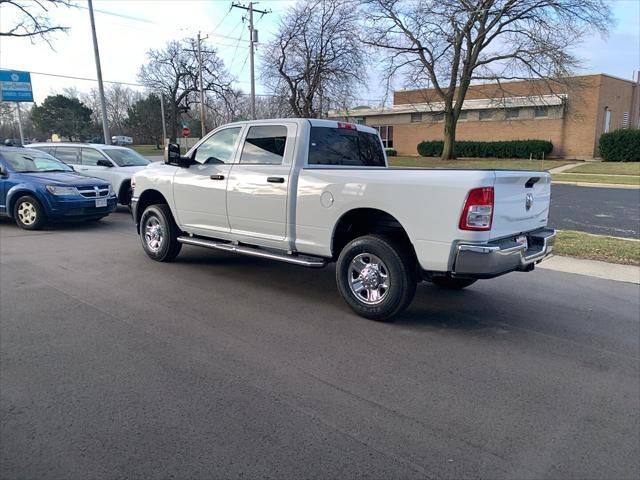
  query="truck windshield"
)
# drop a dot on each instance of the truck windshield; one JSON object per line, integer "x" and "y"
{"x": 125, "y": 157}
{"x": 343, "y": 146}
{"x": 32, "y": 161}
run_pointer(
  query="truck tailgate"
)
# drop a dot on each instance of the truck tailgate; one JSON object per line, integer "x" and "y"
{"x": 522, "y": 201}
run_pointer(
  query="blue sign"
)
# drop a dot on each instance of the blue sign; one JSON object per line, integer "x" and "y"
{"x": 15, "y": 86}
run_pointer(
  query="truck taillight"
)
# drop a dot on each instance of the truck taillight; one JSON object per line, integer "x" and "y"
{"x": 477, "y": 213}
{"x": 348, "y": 126}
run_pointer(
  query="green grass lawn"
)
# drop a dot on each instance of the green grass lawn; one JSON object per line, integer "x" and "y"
{"x": 610, "y": 168}
{"x": 586, "y": 178}
{"x": 594, "y": 247}
{"x": 511, "y": 164}
{"x": 147, "y": 149}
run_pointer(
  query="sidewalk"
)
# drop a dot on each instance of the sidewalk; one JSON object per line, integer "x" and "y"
{"x": 593, "y": 268}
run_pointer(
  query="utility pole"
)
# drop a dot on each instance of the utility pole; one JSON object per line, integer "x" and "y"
{"x": 198, "y": 52}
{"x": 164, "y": 125}
{"x": 203, "y": 128}
{"x": 103, "y": 103}
{"x": 253, "y": 39}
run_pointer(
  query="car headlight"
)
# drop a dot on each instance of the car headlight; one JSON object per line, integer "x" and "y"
{"x": 111, "y": 191}
{"x": 57, "y": 190}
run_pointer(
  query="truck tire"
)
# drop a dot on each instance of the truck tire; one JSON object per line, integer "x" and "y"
{"x": 28, "y": 213}
{"x": 376, "y": 277}
{"x": 453, "y": 283}
{"x": 159, "y": 233}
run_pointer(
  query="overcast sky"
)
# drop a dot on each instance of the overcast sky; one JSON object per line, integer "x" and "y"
{"x": 127, "y": 29}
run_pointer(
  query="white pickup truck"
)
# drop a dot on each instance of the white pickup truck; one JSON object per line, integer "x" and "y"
{"x": 311, "y": 192}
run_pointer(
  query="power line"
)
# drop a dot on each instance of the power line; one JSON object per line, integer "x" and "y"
{"x": 78, "y": 78}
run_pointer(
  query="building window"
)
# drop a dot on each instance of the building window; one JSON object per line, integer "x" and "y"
{"x": 607, "y": 120}
{"x": 386, "y": 134}
{"x": 359, "y": 120}
{"x": 486, "y": 114}
{"x": 512, "y": 113}
{"x": 416, "y": 117}
{"x": 541, "y": 112}
{"x": 463, "y": 115}
{"x": 625, "y": 120}
{"x": 437, "y": 117}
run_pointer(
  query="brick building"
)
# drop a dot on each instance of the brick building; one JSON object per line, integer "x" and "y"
{"x": 571, "y": 114}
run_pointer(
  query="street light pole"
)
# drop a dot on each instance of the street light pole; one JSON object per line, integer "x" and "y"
{"x": 103, "y": 103}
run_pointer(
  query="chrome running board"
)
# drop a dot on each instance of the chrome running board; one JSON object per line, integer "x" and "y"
{"x": 302, "y": 260}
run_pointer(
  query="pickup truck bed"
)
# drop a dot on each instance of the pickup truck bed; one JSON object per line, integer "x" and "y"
{"x": 316, "y": 191}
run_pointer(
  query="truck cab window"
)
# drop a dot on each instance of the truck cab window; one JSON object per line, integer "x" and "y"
{"x": 264, "y": 145}
{"x": 218, "y": 148}
{"x": 342, "y": 146}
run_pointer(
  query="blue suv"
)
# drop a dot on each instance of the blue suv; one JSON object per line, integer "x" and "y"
{"x": 35, "y": 188}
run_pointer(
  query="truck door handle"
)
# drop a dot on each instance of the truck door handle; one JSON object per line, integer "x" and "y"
{"x": 217, "y": 177}
{"x": 275, "y": 179}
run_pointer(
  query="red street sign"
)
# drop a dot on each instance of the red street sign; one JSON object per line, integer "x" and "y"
{"x": 185, "y": 131}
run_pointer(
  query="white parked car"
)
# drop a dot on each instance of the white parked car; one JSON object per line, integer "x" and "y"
{"x": 121, "y": 140}
{"x": 310, "y": 192}
{"x": 114, "y": 164}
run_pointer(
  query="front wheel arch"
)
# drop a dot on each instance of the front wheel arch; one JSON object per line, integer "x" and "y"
{"x": 149, "y": 197}
{"x": 18, "y": 191}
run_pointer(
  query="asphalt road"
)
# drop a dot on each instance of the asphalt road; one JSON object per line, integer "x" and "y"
{"x": 604, "y": 211}
{"x": 222, "y": 366}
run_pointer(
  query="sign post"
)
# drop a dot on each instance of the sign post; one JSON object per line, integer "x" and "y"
{"x": 185, "y": 133}
{"x": 16, "y": 87}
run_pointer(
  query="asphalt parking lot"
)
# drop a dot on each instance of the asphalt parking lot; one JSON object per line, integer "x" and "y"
{"x": 223, "y": 366}
{"x": 603, "y": 211}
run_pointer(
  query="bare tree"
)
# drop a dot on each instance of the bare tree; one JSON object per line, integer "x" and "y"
{"x": 173, "y": 71}
{"x": 32, "y": 18}
{"x": 119, "y": 99}
{"x": 448, "y": 44}
{"x": 316, "y": 55}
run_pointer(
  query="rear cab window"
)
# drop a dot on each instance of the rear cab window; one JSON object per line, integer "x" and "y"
{"x": 264, "y": 145}
{"x": 345, "y": 146}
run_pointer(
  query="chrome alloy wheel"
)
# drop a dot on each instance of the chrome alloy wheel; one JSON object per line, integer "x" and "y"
{"x": 27, "y": 213}
{"x": 368, "y": 278}
{"x": 153, "y": 234}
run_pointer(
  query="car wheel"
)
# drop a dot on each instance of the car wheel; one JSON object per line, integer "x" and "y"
{"x": 159, "y": 233}
{"x": 453, "y": 283}
{"x": 28, "y": 213}
{"x": 376, "y": 277}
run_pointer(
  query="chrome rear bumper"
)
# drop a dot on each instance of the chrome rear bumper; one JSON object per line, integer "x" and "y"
{"x": 502, "y": 256}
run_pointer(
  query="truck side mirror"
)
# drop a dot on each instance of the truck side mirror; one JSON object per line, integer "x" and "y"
{"x": 172, "y": 156}
{"x": 3, "y": 171}
{"x": 171, "y": 153}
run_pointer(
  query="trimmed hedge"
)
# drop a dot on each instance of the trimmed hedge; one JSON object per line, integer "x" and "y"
{"x": 391, "y": 152}
{"x": 620, "y": 146}
{"x": 502, "y": 149}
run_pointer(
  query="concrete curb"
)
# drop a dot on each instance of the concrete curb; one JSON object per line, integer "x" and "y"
{"x": 596, "y": 185}
{"x": 593, "y": 268}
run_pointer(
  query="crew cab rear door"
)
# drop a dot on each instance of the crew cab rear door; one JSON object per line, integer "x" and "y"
{"x": 522, "y": 202}
{"x": 257, "y": 191}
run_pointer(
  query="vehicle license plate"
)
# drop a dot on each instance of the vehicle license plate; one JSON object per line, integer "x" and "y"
{"x": 522, "y": 240}
{"x": 101, "y": 202}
